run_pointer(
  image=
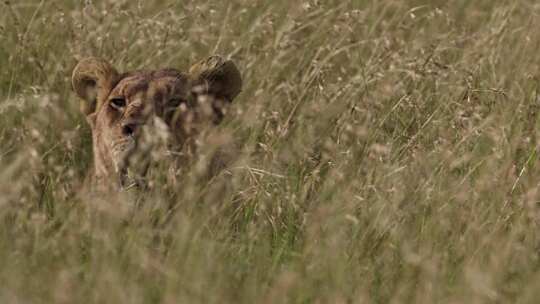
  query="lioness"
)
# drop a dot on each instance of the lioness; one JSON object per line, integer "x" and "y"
{"x": 128, "y": 111}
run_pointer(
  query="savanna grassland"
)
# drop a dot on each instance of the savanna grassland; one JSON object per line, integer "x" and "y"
{"x": 389, "y": 154}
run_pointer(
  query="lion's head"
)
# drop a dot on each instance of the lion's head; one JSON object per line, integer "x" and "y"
{"x": 128, "y": 111}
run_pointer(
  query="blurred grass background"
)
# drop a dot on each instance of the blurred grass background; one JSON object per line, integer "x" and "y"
{"x": 389, "y": 155}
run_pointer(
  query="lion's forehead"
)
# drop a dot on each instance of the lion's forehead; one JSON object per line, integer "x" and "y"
{"x": 152, "y": 84}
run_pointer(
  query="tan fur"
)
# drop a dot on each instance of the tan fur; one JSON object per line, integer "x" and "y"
{"x": 131, "y": 114}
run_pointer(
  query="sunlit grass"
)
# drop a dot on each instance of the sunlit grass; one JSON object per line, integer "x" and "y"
{"x": 387, "y": 153}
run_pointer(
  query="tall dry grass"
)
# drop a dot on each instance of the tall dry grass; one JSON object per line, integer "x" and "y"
{"x": 389, "y": 155}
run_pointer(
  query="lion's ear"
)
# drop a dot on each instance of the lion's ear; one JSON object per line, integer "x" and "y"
{"x": 92, "y": 80}
{"x": 216, "y": 76}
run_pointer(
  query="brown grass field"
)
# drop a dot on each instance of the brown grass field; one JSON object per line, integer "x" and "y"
{"x": 389, "y": 155}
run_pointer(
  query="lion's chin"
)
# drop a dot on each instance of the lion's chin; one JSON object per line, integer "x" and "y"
{"x": 122, "y": 155}
{"x": 129, "y": 181}
{"x": 132, "y": 174}
{"x": 135, "y": 161}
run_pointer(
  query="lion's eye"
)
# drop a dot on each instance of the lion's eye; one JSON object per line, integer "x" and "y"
{"x": 118, "y": 103}
{"x": 175, "y": 102}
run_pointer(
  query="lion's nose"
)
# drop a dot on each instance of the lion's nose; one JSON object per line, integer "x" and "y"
{"x": 129, "y": 128}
